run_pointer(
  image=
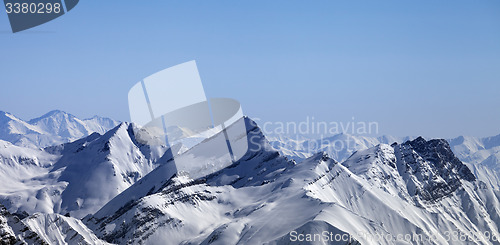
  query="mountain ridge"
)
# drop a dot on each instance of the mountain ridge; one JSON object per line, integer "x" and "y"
{"x": 52, "y": 128}
{"x": 63, "y": 179}
{"x": 419, "y": 187}
{"x": 264, "y": 197}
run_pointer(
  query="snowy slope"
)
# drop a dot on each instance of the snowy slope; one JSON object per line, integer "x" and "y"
{"x": 25, "y": 176}
{"x": 482, "y": 155}
{"x": 53, "y": 128}
{"x": 375, "y": 209}
{"x": 14, "y": 231}
{"x": 109, "y": 164}
{"x": 415, "y": 188}
{"x": 134, "y": 195}
{"x": 233, "y": 205}
{"x": 44, "y": 229}
{"x": 58, "y": 229}
{"x": 475, "y": 150}
{"x": 76, "y": 178}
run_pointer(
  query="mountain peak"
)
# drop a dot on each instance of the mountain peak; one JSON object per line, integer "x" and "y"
{"x": 117, "y": 161}
{"x": 56, "y": 111}
{"x": 7, "y": 116}
{"x": 430, "y": 168}
{"x": 321, "y": 156}
{"x": 51, "y": 114}
{"x": 95, "y": 117}
{"x": 439, "y": 152}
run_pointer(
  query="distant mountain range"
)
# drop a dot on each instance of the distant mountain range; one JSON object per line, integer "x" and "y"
{"x": 339, "y": 146}
{"x": 55, "y": 127}
{"x": 108, "y": 188}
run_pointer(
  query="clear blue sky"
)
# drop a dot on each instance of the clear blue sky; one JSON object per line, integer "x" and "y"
{"x": 422, "y": 67}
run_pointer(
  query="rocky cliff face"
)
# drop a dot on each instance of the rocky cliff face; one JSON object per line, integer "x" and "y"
{"x": 430, "y": 169}
{"x": 14, "y": 231}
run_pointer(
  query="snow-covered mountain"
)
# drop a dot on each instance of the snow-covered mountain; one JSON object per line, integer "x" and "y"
{"x": 482, "y": 155}
{"x": 14, "y": 231}
{"x": 76, "y": 178}
{"x": 435, "y": 191}
{"x": 59, "y": 229}
{"x": 55, "y": 127}
{"x": 418, "y": 188}
{"x": 44, "y": 229}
